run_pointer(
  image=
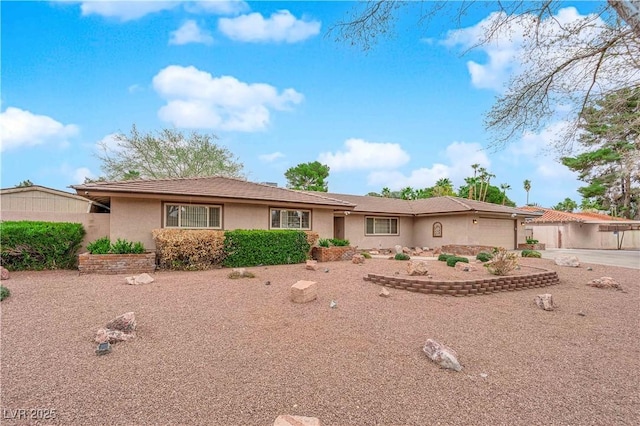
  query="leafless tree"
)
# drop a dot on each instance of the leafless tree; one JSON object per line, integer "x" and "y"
{"x": 564, "y": 66}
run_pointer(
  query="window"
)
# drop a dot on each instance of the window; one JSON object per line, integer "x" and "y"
{"x": 437, "y": 229}
{"x": 381, "y": 226}
{"x": 192, "y": 216}
{"x": 290, "y": 219}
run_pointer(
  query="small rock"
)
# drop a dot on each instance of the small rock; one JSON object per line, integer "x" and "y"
{"x": 465, "y": 267}
{"x": 140, "y": 279}
{"x": 545, "y": 301}
{"x": 303, "y": 291}
{"x": 605, "y": 282}
{"x": 582, "y": 314}
{"x": 589, "y": 268}
{"x": 326, "y": 269}
{"x": 312, "y": 265}
{"x": 267, "y": 283}
{"x": 484, "y": 375}
{"x": 442, "y": 355}
{"x": 4, "y": 273}
{"x": 398, "y": 249}
{"x": 113, "y": 336}
{"x": 358, "y": 259}
{"x": 333, "y": 304}
{"x": 103, "y": 348}
{"x": 384, "y": 293}
{"x": 239, "y": 271}
{"x": 125, "y": 322}
{"x": 287, "y": 420}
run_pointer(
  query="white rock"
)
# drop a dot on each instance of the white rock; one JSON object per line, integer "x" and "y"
{"x": 545, "y": 301}
{"x": 384, "y": 293}
{"x": 571, "y": 261}
{"x": 442, "y": 355}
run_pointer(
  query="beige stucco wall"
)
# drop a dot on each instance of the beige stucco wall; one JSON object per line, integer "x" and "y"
{"x": 322, "y": 222}
{"x": 460, "y": 229}
{"x": 40, "y": 201}
{"x": 354, "y": 231}
{"x": 133, "y": 220}
{"x": 95, "y": 224}
{"x": 587, "y": 236}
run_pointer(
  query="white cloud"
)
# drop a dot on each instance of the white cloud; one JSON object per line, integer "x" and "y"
{"x": 197, "y": 99}
{"x": 190, "y": 32}
{"x": 360, "y": 154}
{"x": 81, "y": 173}
{"x": 270, "y": 158}
{"x": 281, "y": 26}
{"x": 125, "y": 10}
{"x": 109, "y": 142}
{"x": 23, "y": 128}
{"x": 512, "y": 49}
{"x": 460, "y": 156}
{"x": 218, "y": 7}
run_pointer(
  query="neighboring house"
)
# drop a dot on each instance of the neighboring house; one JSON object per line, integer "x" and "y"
{"x": 139, "y": 206}
{"x": 558, "y": 229}
{"x": 51, "y": 205}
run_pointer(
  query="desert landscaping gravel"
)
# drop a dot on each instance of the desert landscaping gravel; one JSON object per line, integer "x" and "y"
{"x": 215, "y": 351}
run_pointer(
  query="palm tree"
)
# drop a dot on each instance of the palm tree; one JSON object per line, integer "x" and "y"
{"x": 527, "y": 187}
{"x": 475, "y": 172}
{"x": 443, "y": 187}
{"x": 486, "y": 188}
{"x": 386, "y": 192}
{"x": 504, "y": 187}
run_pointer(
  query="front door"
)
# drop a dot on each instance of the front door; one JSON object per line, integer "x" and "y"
{"x": 338, "y": 227}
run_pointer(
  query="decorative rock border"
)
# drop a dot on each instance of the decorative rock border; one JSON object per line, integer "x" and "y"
{"x": 468, "y": 287}
{"x": 332, "y": 254}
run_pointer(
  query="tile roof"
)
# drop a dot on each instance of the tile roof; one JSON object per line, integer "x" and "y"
{"x": 213, "y": 186}
{"x": 434, "y": 205}
{"x": 556, "y": 216}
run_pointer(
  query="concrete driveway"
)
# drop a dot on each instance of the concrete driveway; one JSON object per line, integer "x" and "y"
{"x": 625, "y": 258}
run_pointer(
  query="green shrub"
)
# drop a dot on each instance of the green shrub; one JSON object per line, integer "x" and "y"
{"x": 99, "y": 246}
{"x": 483, "y": 256}
{"x": 324, "y": 242}
{"x": 452, "y": 260}
{"x": 401, "y": 256}
{"x": 443, "y": 257}
{"x": 338, "y": 242}
{"x": 531, "y": 253}
{"x": 4, "y": 293}
{"x": 260, "y": 247}
{"x": 531, "y": 241}
{"x": 103, "y": 246}
{"x": 30, "y": 245}
{"x": 366, "y": 255}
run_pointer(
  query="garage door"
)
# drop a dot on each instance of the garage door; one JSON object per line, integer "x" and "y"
{"x": 497, "y": 232}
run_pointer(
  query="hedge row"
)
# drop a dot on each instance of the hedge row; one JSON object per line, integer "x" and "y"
{"x": 31, "y": 245}
{"x": 205, "y": 249}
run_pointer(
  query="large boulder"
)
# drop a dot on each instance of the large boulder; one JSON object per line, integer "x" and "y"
{"x": 140, "y": 279}
{"x": 605, "y": 282}
{"x": 417, "y": 267}
{"x": 545, "y": 301}
{"x": 463, "y": 266}
{"x": 571, "y": 261}
{"x": 304, "y": 291}
{"x": 125, "y": 322}
{"x": 442, "y": 355}
{"x": 288, "y": 420}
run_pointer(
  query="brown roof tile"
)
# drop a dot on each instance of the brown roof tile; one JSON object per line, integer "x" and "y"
{"x": 557, "y": 216}
{"x": 214, "y": 186}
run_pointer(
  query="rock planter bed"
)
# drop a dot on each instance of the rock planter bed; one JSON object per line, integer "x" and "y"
{"x": 332, "y": 254}
{"x": 472, "y": 287}
{"x": 525, "y": 246}
{"x": 111, "y": 264}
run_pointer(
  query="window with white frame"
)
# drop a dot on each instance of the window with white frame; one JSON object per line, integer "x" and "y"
{"x": 192, "y": 216}
{"x": 290, "y": 219}
{"x": 381, "y": 226}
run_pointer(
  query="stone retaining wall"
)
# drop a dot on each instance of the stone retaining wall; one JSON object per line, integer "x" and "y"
{"x": 468, "y": 287}
{"x": 332, "y": 254}
{"x": 116, "y": 263}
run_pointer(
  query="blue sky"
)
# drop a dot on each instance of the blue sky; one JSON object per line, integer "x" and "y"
{"x": 264, "y": 78}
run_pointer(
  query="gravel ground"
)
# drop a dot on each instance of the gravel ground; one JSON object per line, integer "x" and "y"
{"x": 216, "y": 351}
